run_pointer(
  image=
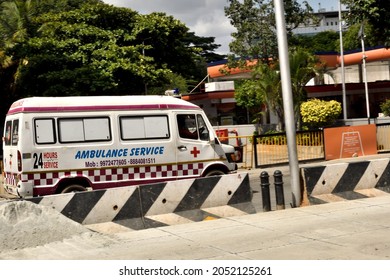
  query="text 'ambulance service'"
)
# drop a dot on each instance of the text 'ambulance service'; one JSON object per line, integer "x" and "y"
{"x": 57, "y": 145}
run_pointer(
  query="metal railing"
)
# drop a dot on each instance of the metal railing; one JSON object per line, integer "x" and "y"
{"x": 271, "y": 149}
{"x": 383, "y": 137}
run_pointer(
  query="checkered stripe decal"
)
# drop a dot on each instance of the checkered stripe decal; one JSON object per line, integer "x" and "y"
{"x": 117, "y": 174}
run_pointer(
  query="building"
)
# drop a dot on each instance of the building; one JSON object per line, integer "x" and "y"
{"x": 325, "y": 21}
{"x": 218, "y": 97}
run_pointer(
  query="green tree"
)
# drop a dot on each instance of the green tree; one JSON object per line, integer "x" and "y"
{"x": 303, "y": 67}
{"x": 372, "y": 12}
{"x": 170, "y": 44}
{"x": 265, "y": 85}
{"x": 205, "y": 45}
{"x": 351, "y": 40}
{"x": 172, "y": 82}
{"x": 262, "y": 90}
{"x": 74, "y": 47}
{"x": 17, "y": 25}
{"x": 86, "y": 51}
{"x": 326, "y": 41}
{"x": 101, "y": 49}
{"x": 17, "y": 17}
{"x": 385, "y": 107}
{"x": 255, "y": 24}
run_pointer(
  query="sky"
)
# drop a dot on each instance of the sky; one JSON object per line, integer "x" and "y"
{"x": 204, "y": 17}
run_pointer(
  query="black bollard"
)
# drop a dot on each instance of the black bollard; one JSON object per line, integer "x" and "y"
{"x": 265, "y": 195}
{"x": 278, "y": 181}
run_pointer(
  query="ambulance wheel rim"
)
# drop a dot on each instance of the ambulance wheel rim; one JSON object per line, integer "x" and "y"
{"x": 73, "y": 188}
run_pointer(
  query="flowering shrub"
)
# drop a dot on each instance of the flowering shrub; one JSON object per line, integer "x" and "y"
{"x": 319, "y": 113}
{"x": 385, "y": 107}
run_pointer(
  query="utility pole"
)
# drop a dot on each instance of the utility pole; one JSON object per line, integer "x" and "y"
{"x": 342, "y": 66}
{"x": 288, "y": 102}
{"x": 361, "y": 35}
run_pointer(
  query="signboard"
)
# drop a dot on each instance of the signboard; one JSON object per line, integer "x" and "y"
{"x": 350, "y": 141}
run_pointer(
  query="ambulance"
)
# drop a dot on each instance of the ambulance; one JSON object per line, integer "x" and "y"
{"x": 58, "y": 145}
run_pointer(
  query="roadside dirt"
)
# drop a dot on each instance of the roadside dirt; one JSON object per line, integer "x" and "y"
{"x": 25, "y": 224}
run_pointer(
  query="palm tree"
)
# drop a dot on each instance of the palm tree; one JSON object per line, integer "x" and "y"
{"x": 265, "y": 84}
{"x": 16, "y": 27}
{"x": 303, "y": 67}
{"x": 270, "y": 87}
{"x": 15, "y": 21}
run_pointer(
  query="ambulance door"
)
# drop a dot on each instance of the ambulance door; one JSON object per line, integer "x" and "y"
{"x": 194, "y": 150}
{"x": 12, "y": 157}
{"x": 149, "y": 147}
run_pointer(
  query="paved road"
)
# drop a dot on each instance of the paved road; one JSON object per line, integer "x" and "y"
{"x": 254, "y": 178}
{"x": 356, "y": 230}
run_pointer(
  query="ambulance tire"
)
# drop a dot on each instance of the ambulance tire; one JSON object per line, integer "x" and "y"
{"x": 215, "y": 172}
{"x": 73, "y": 188}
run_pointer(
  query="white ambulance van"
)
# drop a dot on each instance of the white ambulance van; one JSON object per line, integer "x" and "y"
{"x": 57, "y": 145}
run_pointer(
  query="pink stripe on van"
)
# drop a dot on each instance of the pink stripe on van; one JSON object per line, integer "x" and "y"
{"x": 99, "y": 108}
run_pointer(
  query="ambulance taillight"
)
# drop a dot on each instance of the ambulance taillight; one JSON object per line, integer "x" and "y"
{"x": 19, "y": 161}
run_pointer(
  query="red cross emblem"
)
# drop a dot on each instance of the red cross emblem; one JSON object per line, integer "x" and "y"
{"x": 195, "y": 152}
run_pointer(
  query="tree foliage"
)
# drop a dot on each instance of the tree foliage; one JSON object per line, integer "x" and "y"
{"x": 326, "y": 41}
{"x": 385, "y": 107}
{"x": 351, "y": 40}
{"x": 85, "y": 47}
{"x": 265, "y": 85}
{"x": 263, "y": 89}
{"x": 17, "y": 17}
{"x": 97, "y": 49}
{"x": 256, "y": 26}
{"x": 371, "y": 12}
{"x": 80, "y": 47}
{"x": 17, "y": 26}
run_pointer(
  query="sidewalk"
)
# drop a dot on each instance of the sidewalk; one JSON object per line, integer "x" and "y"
{"x": 347, "y": 230}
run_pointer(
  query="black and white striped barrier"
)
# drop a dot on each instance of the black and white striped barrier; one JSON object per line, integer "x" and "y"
{"x": 144, "y": 206}
{"x": 345, "y": 181}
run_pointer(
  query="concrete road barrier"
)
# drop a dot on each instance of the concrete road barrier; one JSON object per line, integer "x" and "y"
{"x": 345, "y": 181}
{"x": 142, "y": 206}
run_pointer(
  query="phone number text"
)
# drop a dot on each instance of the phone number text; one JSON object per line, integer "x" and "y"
{"x": 119, "y": 162}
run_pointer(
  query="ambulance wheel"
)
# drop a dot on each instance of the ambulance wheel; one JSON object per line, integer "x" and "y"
{"x": 214, "y": 173}
{"x": 73, "y": 188}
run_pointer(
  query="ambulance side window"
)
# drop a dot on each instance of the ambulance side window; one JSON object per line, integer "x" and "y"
{"x": 203, "y": 131}
{"x": 144, "y": 127}
{"x": 192, "y": 127}
{"x": 7, "y": 133}
{"x": 44, "y": 131}
{"x": 187, "y": 126}
{"x": 76, "y": 130}
{"x": 15, "y": 132}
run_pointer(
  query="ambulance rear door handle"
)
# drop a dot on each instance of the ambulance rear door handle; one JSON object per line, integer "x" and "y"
{"x": 182, "y": 148}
